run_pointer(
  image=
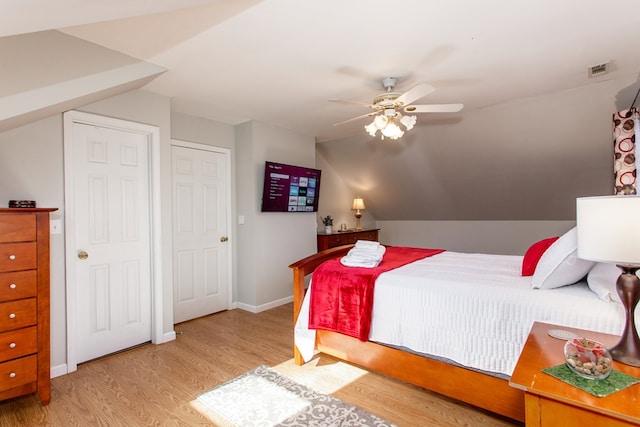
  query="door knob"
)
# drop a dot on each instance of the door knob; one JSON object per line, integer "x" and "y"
{"x": 224, "y": 239}
{"x": 83, "y": 255}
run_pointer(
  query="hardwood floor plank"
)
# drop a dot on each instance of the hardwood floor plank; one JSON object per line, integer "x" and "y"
{"x": 156, "y": 385}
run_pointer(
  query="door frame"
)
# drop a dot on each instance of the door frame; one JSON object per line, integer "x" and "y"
{"x": 153, "y": 138}
{"x": 227, "y": 155}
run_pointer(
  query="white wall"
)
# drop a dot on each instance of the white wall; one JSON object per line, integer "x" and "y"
{"x": 336, "y": 199}
{"x": 268, "y": 242}
{"x": 146, "y": 107}
{"x": 208, "y": 132}
{"x": 31, "y": 168}
{"x": 492, "y": 237}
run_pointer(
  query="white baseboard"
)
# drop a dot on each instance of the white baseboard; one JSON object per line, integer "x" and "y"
{"x": 167, "y": 337}
{"x": 59, "y": 370}
{"x": 263, "y": 307}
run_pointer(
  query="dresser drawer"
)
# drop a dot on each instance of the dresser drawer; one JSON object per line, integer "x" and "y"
{"x": 17, "y": 314}
{"x": 327, "y": 241}
{"x": 338, "y": 240}
{"x": 351, "y": 238}
{"x": 18, "y": 343}
{"x": 366, "y": 235}
{"x": 17, "y": 228}
{"x": 17, "y": 256}
{"x": 18, "y": 285}
{"x": 15, "y": 373}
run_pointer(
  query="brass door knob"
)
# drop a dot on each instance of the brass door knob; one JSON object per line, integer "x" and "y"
{"x": 83, "y": 255}
{"x": 224, "y": 239}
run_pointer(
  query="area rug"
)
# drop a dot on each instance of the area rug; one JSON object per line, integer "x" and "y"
{"x": 263, "y": 397}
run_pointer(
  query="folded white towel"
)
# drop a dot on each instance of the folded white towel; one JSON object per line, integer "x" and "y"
{"x": 351, "y": 263}
{"x": 367, "y": 244}
{"x": 364, "y": 257}
{"x": 375, "y": 253}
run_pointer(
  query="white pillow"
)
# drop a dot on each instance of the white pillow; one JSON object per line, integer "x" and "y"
{"x": 560, "y": 265}
{"x": 602, "y": 281}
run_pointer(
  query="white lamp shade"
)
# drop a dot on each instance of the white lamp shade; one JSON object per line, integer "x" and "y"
{"x": 608, "y": 229}
{"x": 392, "y": 131}
{"x": 358, "y": 204}
{"x": 371, "y": 129}
{"x": 408, "y": 121}
{"x": 380, "y": 122}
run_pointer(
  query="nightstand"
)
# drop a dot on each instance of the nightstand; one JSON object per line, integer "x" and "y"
{"x": 551, "y": 402}
{"x": 349, "y": 237}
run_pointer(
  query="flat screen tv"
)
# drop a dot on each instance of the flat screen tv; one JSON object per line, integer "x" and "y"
{"x": 290, "y": 188}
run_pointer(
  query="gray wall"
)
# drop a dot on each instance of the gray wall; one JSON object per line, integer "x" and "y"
{"x": 31, "y": 167}
{"x": 525, "y": 160}
{"x": 270, "y": 241}
{"x": 492, "y": 237}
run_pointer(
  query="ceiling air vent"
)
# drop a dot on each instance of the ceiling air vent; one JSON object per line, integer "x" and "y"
{"x": 598, "y": 70}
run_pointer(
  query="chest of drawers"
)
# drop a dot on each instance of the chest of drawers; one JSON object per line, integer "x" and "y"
{"x": 327, "y": 241}
{"x": 24, "y": 303}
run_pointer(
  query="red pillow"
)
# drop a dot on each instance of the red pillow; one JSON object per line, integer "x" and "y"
{"x": 533, "y": 254}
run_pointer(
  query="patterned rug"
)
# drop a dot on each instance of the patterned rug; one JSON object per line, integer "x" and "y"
{"x": 265, "y": 398}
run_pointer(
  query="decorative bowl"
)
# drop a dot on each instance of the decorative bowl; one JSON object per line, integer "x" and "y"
{"x": 588, "y": 358}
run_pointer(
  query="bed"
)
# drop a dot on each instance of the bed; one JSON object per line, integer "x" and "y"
{"x": 464, "y": 294}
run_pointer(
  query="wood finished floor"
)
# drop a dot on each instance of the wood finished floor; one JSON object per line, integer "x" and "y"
{"x": 155, "y": 385}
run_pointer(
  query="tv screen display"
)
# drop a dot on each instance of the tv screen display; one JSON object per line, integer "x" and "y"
{"x": 290, "y": 188}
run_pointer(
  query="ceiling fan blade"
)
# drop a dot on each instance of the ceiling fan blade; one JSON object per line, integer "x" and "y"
{"x": 356, "y": 118}
{"x": 434, "y": 108}
{"x": 347, "y": 101}
{"x": 415, "y": 93}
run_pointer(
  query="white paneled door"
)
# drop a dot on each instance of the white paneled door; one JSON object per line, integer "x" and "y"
{"x": 201, "y": 273}
{"x": 112, "y": 247}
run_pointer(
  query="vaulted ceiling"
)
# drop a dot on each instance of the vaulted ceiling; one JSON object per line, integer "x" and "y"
{"x": 281, "y": 61}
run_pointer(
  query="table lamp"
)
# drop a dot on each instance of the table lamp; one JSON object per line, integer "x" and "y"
{"x": 609, "y": 231}
{"x": 358, "y": 205}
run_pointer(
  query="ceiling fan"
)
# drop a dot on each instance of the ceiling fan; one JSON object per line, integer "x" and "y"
{"x": 387, "y": 108}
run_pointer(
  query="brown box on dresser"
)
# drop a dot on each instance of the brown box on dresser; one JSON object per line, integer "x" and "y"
{"x": 349, "y": 237}
{"x": 24, "y": 303}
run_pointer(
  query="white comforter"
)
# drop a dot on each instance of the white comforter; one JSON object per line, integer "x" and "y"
{"x": 474, "y": 309}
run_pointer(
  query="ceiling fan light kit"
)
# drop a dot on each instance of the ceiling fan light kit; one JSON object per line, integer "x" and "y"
{"x": 387, "y": 107}
{"x": 386, "y": 124}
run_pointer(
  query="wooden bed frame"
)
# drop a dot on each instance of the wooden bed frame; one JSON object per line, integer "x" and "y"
{"x": 478, "y": 389}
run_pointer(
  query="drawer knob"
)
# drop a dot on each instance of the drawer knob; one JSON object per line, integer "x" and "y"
{"x": 12, "y": 316}
{"x": 12, "y": 286}
{"x": 12, "y": 257}
{"x": 12, "y": 345}
{"x": 12, "y": 375}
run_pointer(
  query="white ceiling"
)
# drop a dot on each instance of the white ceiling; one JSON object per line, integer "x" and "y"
{"x": 534, "y": 133}
{"x": 280, "y": 61}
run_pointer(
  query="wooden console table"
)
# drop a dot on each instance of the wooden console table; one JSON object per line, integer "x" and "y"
{"x": 551, "y": 402}
{"x": 349, "y": 237}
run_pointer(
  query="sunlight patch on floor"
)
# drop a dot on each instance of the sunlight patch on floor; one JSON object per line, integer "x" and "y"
{"x": 248, "y": 399}
{"x": 327, "y": 376}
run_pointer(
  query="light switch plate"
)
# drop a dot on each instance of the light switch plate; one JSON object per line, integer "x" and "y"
{"x": 55, "y": 226}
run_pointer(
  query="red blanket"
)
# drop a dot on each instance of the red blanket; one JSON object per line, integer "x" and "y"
{"x": 342, "y": 297}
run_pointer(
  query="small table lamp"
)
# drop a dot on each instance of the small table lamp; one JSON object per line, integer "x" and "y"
{"x": 358, "y": 205}
{"x": 609, "y": 231}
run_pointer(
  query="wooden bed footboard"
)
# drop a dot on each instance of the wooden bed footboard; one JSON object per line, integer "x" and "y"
{"x": 478, "y": 389}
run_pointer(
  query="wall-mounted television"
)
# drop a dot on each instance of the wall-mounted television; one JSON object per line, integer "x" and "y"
{"x": 290, "y": 188}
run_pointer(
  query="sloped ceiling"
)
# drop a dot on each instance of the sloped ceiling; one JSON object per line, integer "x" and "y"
{"x": 280, "y": 61}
